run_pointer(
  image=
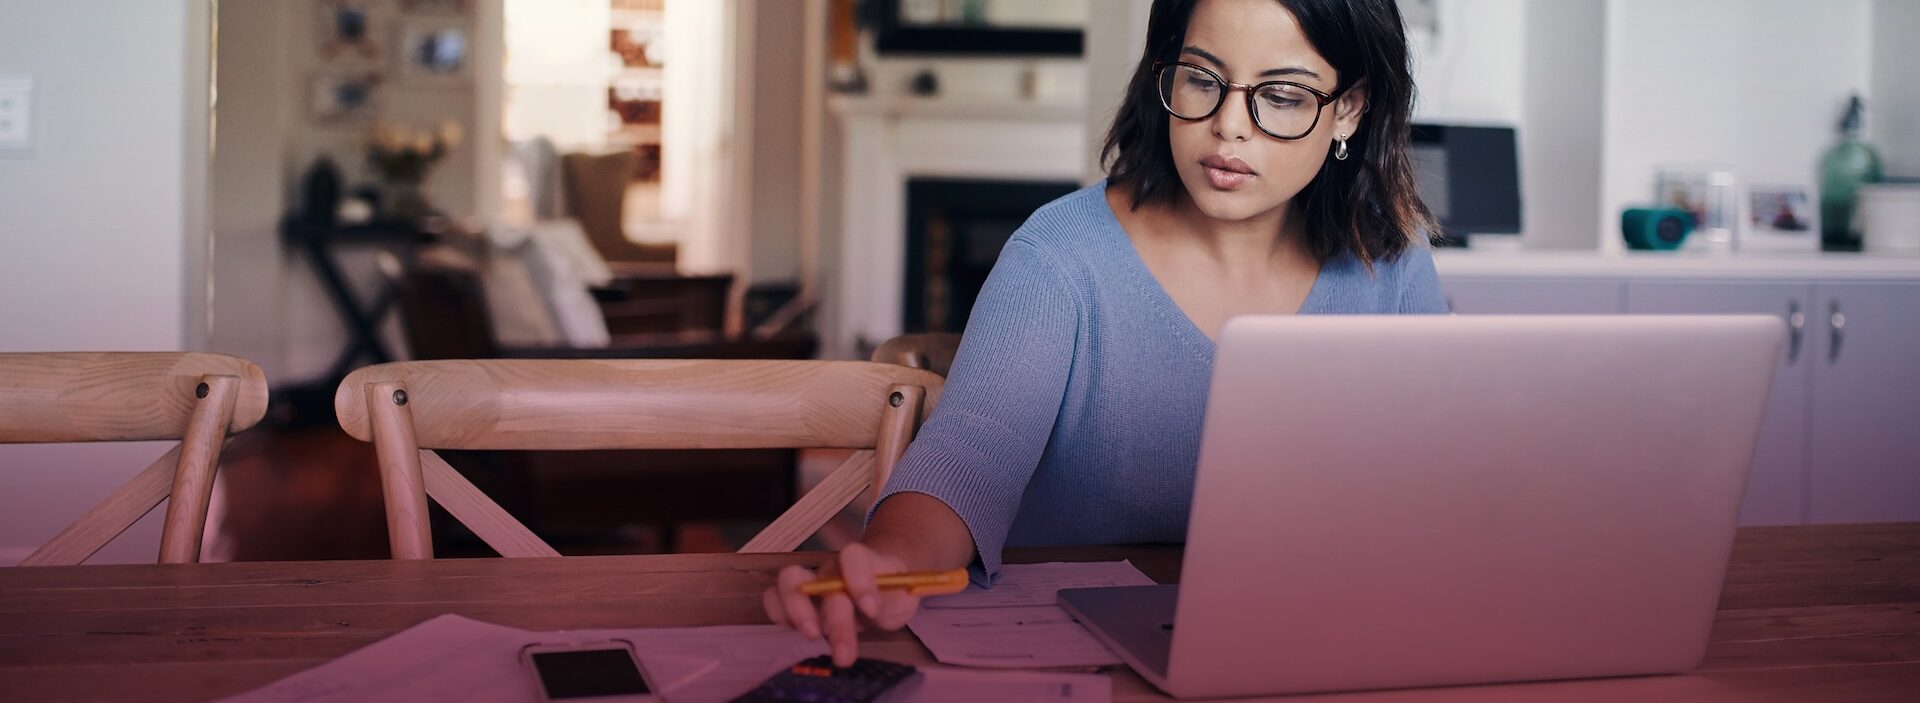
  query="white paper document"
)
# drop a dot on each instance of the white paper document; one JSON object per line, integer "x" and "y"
{"x": 1017, "y": 624}
{"x": 455, "y": 659}
{"x": 452, "y": 658}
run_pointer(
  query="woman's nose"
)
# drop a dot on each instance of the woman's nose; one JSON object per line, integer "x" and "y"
{"x": 1232, "y": 121}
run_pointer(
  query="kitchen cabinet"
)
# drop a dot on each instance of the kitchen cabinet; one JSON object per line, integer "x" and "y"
{"x": 1865, "y": 411}
{"x": 1543, "y": 296}
{"x": 1778, "y": 484}
{"x": 1840, "y": 442}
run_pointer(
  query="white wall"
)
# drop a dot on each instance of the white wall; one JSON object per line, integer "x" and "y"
{"x": 1753, "y": 86}
{"x": 706, "y": 120}
{"x": 778, "y": 76}
{"x": 1562, "y": 123}
{"x": 94, "y": 226}
{"x": 1894, "y": 123}
{"x": 1115, "y": 36}
{"x": 558, "y": 81}
{"x": 1469, "y": 70}
{"x": 249, "y": 143}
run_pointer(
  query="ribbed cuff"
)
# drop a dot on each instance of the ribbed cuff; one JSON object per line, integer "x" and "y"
{"x": 986, "y": 502}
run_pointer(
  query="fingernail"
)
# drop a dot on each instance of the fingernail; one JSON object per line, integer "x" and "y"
{"x": 812, "y": 631}
{"x": 869, "y": 604}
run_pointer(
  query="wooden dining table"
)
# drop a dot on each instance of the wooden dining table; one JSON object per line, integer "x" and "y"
{"x": 1808, "y": 613}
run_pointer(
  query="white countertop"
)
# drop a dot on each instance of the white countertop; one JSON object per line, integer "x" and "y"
{"x": 1572, "y": 264}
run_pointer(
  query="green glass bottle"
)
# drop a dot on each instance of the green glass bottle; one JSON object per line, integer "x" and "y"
{"x": 1845, "y": 166}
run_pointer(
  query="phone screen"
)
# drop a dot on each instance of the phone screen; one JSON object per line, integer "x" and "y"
{"x": 588, "y": 673}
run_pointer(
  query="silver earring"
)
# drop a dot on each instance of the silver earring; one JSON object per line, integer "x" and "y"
{"x": 1340, "y": 148}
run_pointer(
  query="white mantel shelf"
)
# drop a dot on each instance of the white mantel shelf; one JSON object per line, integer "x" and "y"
{"x": 1670, "y": 265}
{"x": 956, "y": 108}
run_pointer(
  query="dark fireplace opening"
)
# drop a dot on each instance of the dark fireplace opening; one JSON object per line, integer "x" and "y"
{"x": 955, "y": 230}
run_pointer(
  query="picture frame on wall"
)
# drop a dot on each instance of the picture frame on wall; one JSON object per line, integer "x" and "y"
{"x": 1781, "y": 216}
{"x": 348, "y": 30}
{"x": 434, "y": 51}
{"x": 344, "y": 97}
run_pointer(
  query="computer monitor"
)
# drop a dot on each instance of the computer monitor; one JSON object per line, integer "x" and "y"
{"x": 1469, "y": 177}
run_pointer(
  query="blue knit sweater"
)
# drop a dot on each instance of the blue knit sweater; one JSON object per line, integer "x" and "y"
{"x": 1072, "y": 412}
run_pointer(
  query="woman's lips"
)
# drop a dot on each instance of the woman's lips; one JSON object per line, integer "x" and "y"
{"x": 1222, "y": 179}
{"x": 1225, "y": 172}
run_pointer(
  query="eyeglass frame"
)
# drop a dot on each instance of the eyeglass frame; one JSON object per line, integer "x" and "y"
{"x": 1253, "y": 113}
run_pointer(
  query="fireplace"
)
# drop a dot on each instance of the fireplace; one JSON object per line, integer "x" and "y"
{"x": 955, "y": 229}
{"x": 1013, "y": 156}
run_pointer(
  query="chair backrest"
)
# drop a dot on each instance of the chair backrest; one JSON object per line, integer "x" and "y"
{"x": 932, "y": 351}
{"x": 596, "y": 193}
{"x": 407, "y": 409}
{"x": 198, "y": 399}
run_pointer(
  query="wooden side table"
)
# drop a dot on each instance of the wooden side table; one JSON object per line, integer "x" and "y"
{"x": 317, "y": 242}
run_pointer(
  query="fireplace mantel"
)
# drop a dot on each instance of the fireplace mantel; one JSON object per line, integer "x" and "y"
{"x": 887, "y": 140}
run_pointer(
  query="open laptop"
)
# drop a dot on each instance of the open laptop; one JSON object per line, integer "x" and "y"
{"x": 1388, "y": 502}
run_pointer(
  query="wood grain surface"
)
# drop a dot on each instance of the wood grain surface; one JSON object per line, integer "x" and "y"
{"x": 117, "y": 396}
{"x": 1815, "y": 613}
{"x": 637, "y": 403}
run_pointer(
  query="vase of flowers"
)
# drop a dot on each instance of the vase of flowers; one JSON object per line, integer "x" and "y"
{"x": 402, "y": 157}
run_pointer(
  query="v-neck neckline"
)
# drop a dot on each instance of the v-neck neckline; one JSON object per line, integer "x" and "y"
{"x": 1170, "y": 311}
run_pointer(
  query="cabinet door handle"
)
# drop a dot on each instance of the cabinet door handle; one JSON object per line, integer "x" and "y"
{"x": 1797, "y": 328}
{"x": 1836, "y": 329}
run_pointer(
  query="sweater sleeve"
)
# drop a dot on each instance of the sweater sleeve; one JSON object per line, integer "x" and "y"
{"x": 1001, "y": 398}
{"x": 1420, "y": 284}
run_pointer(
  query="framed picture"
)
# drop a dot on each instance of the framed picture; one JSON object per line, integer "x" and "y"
{"x": 348, "y": 30}
{"x": 435, "y": 50}
{"x": 1709, "y": 195}
{"x": 344, "y": 97}
{"x": 1781, "y": 217}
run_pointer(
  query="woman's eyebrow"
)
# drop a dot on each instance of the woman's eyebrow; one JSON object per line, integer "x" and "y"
{"x": 1222, "y": 65}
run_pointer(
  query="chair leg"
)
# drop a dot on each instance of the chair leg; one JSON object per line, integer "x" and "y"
{"x": 408, "y": 534}
{"x": 897, "y": 426}
{"x": 186, "y": 521}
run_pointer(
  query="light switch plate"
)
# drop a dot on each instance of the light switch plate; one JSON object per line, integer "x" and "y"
{"x": 16, "y": 116}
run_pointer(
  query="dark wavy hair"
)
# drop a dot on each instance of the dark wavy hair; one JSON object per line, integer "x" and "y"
{"x": 1367, "y": 205}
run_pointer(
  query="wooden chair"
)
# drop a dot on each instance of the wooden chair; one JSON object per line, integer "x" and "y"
{"x": 407, "y": 409}
{"x": 932, "y": 351}
{"x": 198, "y": 399}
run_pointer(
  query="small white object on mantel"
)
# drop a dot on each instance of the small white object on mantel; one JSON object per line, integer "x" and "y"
{"x": 1889, "y": 218}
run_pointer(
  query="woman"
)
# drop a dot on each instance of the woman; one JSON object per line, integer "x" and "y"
{"x": 1258, "y": 165}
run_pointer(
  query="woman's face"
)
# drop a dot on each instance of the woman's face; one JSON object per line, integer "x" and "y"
{"x": 1232, "y": 169}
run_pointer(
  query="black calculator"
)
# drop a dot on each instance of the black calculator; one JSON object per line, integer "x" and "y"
{"x": 817, "y": 680}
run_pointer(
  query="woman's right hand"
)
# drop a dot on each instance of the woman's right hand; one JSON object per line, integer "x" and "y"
{"x": 834, "y": 615}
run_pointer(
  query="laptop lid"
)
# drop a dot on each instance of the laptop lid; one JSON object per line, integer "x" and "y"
{"x": 1393, "y": 501}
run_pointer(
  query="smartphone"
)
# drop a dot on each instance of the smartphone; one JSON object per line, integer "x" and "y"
{"x": 598, "y": 672}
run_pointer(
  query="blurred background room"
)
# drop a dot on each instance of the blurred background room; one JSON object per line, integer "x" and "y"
{"x": 319, "y": 185}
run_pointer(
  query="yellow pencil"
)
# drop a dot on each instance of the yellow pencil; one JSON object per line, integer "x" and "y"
{"x": 919, "y": 583}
